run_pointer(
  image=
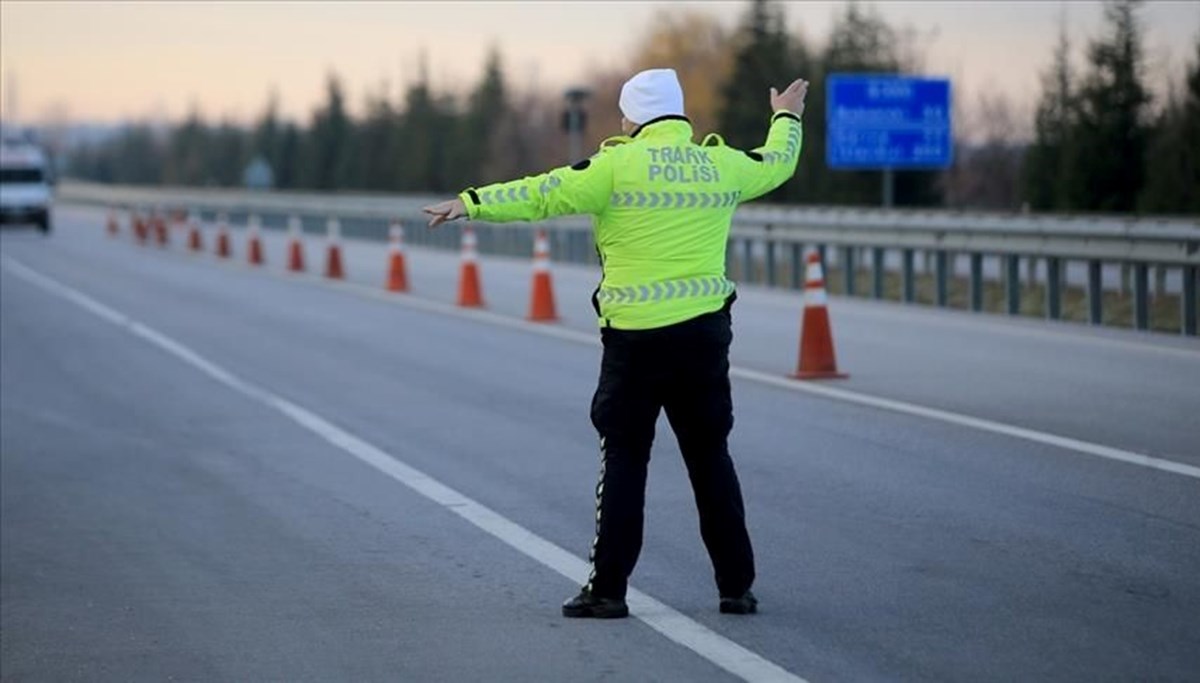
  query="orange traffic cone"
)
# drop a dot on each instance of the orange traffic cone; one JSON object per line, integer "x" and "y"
{"x": 333, "y": 261}
{"x": 195, "y": 239}
{"x": 254, "y": 250}
{"x": 113, "y": 228}
{"x": 295, "y": 246}
{"x": 139, "y": 227}
{"x": 223, "y": 250}
{"x": 397, "y": 280}
{"x": 470, "y": 294}
{"x": 160, "y": 229}
{"x": 541, "y": 299}
{"x": 817, "y": 360}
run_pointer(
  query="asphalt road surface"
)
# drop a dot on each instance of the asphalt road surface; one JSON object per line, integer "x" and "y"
{"x": 213, "y": 472}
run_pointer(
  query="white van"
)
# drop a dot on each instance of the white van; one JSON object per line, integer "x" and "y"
{"x": 25, "y": 185}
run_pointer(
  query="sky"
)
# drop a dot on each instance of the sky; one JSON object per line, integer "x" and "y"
{"x": 101, "y": 61}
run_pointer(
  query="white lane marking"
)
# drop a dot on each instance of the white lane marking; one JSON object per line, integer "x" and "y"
{"x": 1086, "y": 447}
{"x": 904, "y": 407}
{"x": 781, "y": 382}
{"x": 715, "y": 648}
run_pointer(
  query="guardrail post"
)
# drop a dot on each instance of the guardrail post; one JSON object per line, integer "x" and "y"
{"x": 941, "y": 259}
{"x": 797, "y": 265}
{"x": 1012, "y": 283}
{"x": 976, "y": 285}
{"x": 848, "y": 267}
{"x": 1053, "y": 288}
{"x": 877, "y": 272}
{"x": 770, "y": 264}
{"x": 1141, "y": 296}
{"x": 1095, "y": 293}
{"x": 910, "y": 288}
{"x": 1187, "y": 315}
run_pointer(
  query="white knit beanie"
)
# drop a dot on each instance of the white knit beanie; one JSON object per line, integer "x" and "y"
{"x": 651, "y": 94}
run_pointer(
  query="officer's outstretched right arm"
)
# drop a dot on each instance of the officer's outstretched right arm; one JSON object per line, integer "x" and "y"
{"x": 763, "y": 169}
{"x": 585, "y": 188}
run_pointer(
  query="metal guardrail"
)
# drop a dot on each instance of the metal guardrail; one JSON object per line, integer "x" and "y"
{"x": 767, "y": 243}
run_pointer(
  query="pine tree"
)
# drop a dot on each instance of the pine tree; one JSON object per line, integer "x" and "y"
{"x": 1173, "y": 160}
{"x": 228, "y": 152}
{"x": 1045, "y": 165}
{"x": 186, "y": 163}
{"x": 287, "y": 162}
{"x": 427, "y": 127}
{"x": 1190, "y": 138}
{"x": 138, "y": 157}
{"x": 476, "y": 145}
{"x": 762, "y": 61}
{"x": 267, "y": 134}
{"x": 328, "y": 141}
{"x": 1108, "y": 149}
{"x": 376, "y": 165}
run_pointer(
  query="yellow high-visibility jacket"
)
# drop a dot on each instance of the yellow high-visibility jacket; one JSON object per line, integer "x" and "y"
{"x": 662, "y": 207}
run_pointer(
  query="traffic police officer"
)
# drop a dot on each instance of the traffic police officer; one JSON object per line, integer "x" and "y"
{"x": 662, "y": 207}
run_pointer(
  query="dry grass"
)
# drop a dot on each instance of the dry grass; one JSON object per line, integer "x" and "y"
{"x": 1117, "y": 308}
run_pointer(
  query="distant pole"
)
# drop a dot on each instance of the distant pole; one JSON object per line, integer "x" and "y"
{"x": 889, "y": 183}
{"x": 574, "y": 136}
{"x": 574, "y": 122}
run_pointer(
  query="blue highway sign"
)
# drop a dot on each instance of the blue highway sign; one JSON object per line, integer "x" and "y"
{"x": 883, "y": 121}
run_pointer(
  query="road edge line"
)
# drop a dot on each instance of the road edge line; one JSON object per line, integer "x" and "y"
{"x": 667, "y": 621}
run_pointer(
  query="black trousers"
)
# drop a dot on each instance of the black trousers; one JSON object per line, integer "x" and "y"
{"x": 684, "y": 369}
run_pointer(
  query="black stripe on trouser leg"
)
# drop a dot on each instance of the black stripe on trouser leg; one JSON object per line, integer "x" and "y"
{"x": 624, "y": 411}
{"x": 620, "y": 501}
{"x": 599, "y": 511}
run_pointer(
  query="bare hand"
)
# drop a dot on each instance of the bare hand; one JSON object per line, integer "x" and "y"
{"x": 449, "y": 210}
{"x": 791, "y": 99}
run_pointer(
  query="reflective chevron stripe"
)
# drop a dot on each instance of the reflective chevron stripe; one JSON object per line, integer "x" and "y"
{"x": 666, "y": 290}
{"x": 549, "y": 184}
{"x": 513, "y": 194}
{"x": 674, "y": 200}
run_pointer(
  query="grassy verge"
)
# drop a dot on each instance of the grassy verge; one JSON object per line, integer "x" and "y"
{"x": 1117, "y": 307}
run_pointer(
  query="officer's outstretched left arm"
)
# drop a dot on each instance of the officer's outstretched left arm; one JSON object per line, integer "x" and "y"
{"x": 763, "y": 169}
{"x": 585, "y": 188}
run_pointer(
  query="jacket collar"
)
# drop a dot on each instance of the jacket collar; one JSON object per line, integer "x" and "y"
{"x": 660, "y": 125}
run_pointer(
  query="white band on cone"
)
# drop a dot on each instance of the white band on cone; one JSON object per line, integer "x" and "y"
{"x": 468, "y": 245}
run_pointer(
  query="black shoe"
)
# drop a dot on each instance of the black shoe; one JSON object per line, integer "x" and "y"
{"x": 588, "y": 606}
{"x": 746, "y": 604}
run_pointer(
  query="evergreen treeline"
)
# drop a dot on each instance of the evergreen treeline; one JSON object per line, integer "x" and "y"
{"x": 1100, "y": 142}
